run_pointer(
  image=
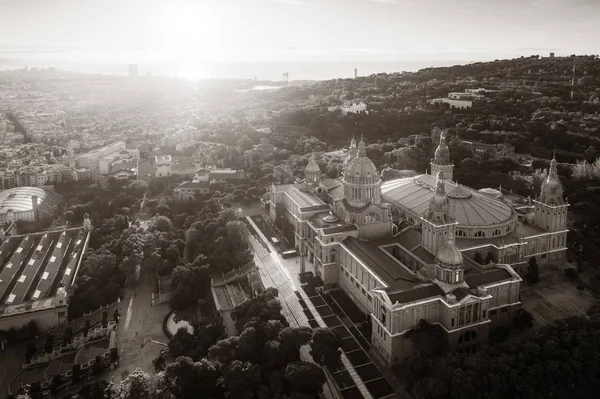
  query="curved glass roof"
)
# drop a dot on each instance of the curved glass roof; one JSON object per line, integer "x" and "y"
{"x": 19, "y": 198}
{"x": 476, "y": 209}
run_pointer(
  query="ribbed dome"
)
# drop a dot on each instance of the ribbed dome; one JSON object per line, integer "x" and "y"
{"x": 361, "y": 181}
{"x": 442, "y": 153}
{"x": 361, "y": 170}
{"x": 450, "y": 255}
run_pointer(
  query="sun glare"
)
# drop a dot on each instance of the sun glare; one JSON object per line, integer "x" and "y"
{"x": 187, "y": 37}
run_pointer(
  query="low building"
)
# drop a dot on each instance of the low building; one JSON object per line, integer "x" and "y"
{"x": 259, "y": 152}
{"x": 162, "y": 165}
{"x": 488, "y": 151}
{"x": 191, "y": 188}
{"x": 462, "y": 104}
{"x": 36, "y": 274}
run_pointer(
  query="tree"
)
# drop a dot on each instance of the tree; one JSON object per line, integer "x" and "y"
{"x": 188, "y": 379}
{"x": 478, "y": 258}
{"x": 489, "y": 258}
{"x": 325, "y": 347}
{"x": 523, "y": 320}
{"x": 571, "y": 273}
{"x": 533, "y": 272}
{"x": 138, "y": 385}
{"x": 242, "y": 379}
{"x": 305, "y": 377}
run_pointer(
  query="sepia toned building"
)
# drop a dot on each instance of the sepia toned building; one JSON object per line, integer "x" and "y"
{"x": 405, "y": 250}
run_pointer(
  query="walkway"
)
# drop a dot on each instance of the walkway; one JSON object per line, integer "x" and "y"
{"x": 296, "y": 306}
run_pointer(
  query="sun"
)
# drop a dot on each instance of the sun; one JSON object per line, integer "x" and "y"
{"x": 188, "y": 35}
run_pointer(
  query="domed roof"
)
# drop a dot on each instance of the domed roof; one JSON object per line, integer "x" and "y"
{"x": 469, "y": 208}
{"x": 312, "y": 166}
{"x": 491, "y": 192}
{"x": 449, "y": 254}
{"x": 361, "y": 170}
{"x": 442, "y": 153}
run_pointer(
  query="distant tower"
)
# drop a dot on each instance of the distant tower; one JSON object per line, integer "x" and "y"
{"x": 286, "y": 77}
{"x": 133, "y": 71}
{"x": 437, "y": 224}
{"x": 441, "y": 161}
{"x": 573, "y": 80}
{"x": 355, "y": 73}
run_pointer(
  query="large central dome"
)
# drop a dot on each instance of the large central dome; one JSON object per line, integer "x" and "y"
{"x": 361, "y": 170}
{"x": 361, "y": 181}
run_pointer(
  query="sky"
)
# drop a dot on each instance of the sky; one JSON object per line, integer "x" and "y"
{"x": 192, "y": 32}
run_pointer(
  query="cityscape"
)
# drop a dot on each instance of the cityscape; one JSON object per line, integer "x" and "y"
{"x": 429, "y": 233}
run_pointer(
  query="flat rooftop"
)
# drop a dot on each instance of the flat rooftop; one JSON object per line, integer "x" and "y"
{"x": 33, "y": 266}
{"x": 382, "y": 263}
{"x": 301, "y": 198}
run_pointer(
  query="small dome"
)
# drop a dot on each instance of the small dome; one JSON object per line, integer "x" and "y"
{"x": 491, "y": 192}
{"x": 450, "y": 255}
{"x": 312, "y": 166}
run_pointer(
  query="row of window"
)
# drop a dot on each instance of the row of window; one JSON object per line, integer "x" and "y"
{"x": 358, "y": 286}
{"x": 381, "y": 332}
{"x": 467, "y": 314}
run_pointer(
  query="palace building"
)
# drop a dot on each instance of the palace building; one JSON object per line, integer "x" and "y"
{"x": 421, "y": 248}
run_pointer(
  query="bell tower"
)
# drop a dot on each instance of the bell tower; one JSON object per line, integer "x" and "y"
{"x": 441, "y": 160}
{"x": 438, "y": 224}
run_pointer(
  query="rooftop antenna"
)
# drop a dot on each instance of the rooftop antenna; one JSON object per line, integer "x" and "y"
{"x": 573, "y": 80}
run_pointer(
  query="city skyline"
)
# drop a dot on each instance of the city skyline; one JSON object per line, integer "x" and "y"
{"x": 195, "y": 33}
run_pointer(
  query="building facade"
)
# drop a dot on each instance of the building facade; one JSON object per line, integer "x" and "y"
{"x": 404, "y": 250}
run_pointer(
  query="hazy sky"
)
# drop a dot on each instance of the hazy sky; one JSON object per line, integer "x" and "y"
{"x": 197, "y": 31}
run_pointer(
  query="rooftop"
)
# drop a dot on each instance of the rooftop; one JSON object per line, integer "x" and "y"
{"x": 19, "y": 198}
{"x": 33, "y": 266}
{"x": 490, "y": 276}
{"x": 469, "y": 207}
{"x": 301, "y": 198}
{"x": 381, "y": 263}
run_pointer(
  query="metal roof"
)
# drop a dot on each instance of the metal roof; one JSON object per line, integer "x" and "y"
{"x": 477, "y": 209}
{"x": 19, "y": 198}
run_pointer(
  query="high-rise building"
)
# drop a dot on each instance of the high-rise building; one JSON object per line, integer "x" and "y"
{"x": 133, "y": 71}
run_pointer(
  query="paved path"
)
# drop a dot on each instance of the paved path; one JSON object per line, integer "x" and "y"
{"x": 139, "y": 330}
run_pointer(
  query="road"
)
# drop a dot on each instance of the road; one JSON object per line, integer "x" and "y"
{"x": 140, "y": 323}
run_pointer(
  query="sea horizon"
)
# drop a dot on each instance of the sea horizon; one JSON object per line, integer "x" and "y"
{"x": 261, "y": 71}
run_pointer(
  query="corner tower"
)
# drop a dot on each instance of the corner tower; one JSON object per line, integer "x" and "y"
{"x": 441, "y": 160}
{"x": 437, "y": 224}
{"x": 449, "y": 266}
{"x": 550, "y": 207}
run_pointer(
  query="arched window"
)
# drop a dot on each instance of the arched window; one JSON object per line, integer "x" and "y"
{"x": 460, "y": 233}
{"x": 479, "y": 234}
{"x": 333, "y": 254}
{"x": 496, "y": 232}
